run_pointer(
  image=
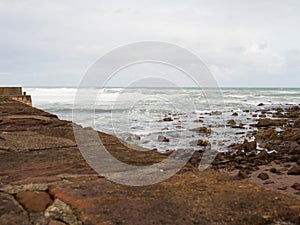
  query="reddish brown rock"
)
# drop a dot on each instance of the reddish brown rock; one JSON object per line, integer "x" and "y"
{"x": 34, "y": 201}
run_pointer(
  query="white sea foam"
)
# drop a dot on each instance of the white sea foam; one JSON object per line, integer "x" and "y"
{"x": 137, "y": 111}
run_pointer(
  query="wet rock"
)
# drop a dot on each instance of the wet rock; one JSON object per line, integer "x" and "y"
{"x": 179, "y": 127}
{"x": 231, "y": 122}
{"x": 296, "y": 186}
{"x": 263, "y": 176}
{"x": 270, "y": 133}
{"x": 165, "y": 128}
{"x": 292, "y": 135}
{"x": 198, "y": 121}
{"x": 204, "y": 130}
{"x": 167, "y": 119}
{"x": 34, "y": 201}
{"x": 133, "y": 138}
{"x": 297, "y": 123}
{"x": 266, "y": 122}
{"x": 200, "y": 143}
{"x": 196, "y": 158}
{"x": 62, "y": 212}
{"x": 162, "y": 138}
{"x": 216, "y": 113}
{"x": 234, "y": 114}
{"x": 294, "y": 170}
{"x": 249, "y": 145}
{"x": 261, "y": 104}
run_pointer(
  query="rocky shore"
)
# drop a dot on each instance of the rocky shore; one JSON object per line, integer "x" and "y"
{"x": 44, "y": 179}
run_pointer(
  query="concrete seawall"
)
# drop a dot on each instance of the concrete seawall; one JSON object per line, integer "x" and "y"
{"x": 15, "y": 93}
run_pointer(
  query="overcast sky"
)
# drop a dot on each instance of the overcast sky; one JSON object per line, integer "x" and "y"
{"x": 244, "y": 43}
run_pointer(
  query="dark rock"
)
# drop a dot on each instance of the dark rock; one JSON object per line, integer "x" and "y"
{"x": 235, "y": 114}
{"x": 11, "y": 213}
{"x": 200, "y": 143}
{"x": 204, "y": 130}
{"x": 162, "y": 138}
{"x": 274, "y": 170}
{"x": 296, "y": 186}
{"x": 266, "y": 122}
{"x": 261, "y": 104}
{"x": 241, "y": 175}
{"x": 216, "y": 113}
{"x": 269, "y": 182}
{"x": 231, "y": 122}
{"x": 263, "y": 176}
{"x": 198, "y": 121}
{"x": 296, "y": 123}
{"x": 295, "y": 170}
{"x": 282, "y": 188}
{"x": 167, "y": 119}
{"x": 249, "y": 145}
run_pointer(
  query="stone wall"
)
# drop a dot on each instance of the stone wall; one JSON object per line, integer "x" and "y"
{"x": 4, "y": 91}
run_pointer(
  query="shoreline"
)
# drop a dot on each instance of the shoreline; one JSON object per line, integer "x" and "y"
{"x": 44, "y": 179}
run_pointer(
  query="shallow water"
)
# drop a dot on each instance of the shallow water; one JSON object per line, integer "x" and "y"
{"x": 137, "y": 112}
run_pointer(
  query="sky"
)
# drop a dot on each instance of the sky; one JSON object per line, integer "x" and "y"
{"x": 243, "y": 43}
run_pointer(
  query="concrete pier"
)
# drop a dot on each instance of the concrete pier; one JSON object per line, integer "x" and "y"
{"x": 15, "y": 93}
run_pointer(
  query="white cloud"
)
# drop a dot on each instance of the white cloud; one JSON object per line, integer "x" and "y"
{"x": 237, "y": 39}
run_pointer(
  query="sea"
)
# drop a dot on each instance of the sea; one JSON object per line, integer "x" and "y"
{"x": 165, "y": 118}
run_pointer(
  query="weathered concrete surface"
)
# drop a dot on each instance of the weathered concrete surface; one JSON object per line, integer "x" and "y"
{"x": 38, "y": 155}
{"x": 15, "y": 93}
